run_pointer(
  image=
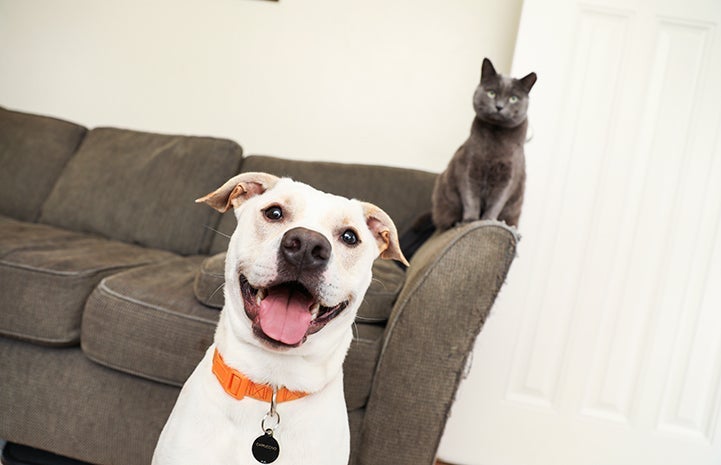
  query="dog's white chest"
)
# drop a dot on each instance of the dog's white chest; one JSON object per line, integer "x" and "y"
{"x": 209, "y": 426}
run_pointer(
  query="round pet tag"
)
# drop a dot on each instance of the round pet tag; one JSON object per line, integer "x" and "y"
{"x": 265, "y": 448}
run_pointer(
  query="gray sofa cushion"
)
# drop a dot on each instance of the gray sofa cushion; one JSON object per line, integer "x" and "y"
{"x": 33, "y": 151}
{"x": 208, "y": 282}
{"x": 375, "y": 308}
{"x": 402, "y": 193}
{"x": 140, "y": 188}
{"x": 378, "y": 302}
{"x": 46, "y": 274}
{"x": 147, "y": 322}
{"x": 60, "y": 401}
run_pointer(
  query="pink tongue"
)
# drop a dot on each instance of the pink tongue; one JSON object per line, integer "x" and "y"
{"x": 285, "y": 315}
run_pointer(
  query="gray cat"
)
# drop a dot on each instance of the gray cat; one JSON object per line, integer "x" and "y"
{"x": 485, "y": 178}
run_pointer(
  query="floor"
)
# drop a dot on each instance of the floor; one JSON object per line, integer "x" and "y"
{"x": 438, "y": 462}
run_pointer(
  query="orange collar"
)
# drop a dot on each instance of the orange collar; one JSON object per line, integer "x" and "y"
{"x": 239, "y": 386}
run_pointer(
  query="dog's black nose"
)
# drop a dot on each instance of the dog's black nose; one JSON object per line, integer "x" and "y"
{"x": 305, "y": 249}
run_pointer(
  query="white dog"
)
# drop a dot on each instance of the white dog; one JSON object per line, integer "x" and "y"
{"x": 270, "y": 388}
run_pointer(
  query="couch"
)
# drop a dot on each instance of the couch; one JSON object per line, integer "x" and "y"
{"x": 110, "y": 280}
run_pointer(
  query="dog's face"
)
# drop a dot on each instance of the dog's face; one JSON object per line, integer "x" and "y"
{"x": 299, "y": 260}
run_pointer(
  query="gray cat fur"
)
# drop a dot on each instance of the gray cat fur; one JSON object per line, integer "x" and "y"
{"x": 485, "y": 179}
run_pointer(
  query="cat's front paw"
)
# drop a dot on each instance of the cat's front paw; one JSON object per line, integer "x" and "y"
{"x": 465, "y": 221}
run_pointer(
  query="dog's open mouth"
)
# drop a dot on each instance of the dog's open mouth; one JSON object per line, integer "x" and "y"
{"x": 287, "y": 312}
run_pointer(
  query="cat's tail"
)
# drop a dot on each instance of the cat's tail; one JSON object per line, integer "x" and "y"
{"x": 412, "y": 240}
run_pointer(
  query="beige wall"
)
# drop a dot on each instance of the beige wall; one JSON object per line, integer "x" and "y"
{"x": 371, "y": 81}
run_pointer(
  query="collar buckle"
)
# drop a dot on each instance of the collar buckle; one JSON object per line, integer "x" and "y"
{"x": 239, "y": 386}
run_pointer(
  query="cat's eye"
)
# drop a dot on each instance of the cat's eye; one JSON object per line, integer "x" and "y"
{"x": 491, "y": 93}
{"x": 513, "y": 99}
{"x": 273, "y": 213}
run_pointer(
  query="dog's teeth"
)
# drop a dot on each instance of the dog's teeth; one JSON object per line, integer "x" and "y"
{"x": 314, "y": 310}
{"x": 262, "y": 293}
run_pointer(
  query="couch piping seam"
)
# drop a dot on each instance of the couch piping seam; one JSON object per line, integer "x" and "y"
{"x": 102, "y": 287}
{"x": 130, "y": 371}
{"x": 81, "y": 274}
{"x": 58, "y": 343}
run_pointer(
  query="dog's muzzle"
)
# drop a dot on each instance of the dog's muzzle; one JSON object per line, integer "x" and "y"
{"x": 288, "y": 310}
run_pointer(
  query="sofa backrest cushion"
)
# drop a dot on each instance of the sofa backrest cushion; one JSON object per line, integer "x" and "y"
{"x": 140, "y": 188}
{"x": 33, "y": 152}
{"x": 403, "y": 193}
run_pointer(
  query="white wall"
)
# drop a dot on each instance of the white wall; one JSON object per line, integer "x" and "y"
{"x": 370, "y": 81}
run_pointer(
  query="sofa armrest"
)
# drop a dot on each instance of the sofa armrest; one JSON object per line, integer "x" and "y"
{"x": 450, "y": 287}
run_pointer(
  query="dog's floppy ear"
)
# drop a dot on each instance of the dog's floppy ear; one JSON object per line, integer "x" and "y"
{"x": 238, "y": 189}
{"x": 384, "y": 231}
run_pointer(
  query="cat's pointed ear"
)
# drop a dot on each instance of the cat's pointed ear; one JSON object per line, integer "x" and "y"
{"x": 487, "y": 71}
{"x": 528, "y": 81}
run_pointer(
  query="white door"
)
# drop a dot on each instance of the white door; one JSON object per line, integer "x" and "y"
{"x": 604, "y": 347}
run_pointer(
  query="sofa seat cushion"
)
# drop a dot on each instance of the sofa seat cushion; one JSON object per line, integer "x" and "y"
{"x": 209, "y": 281}
{"x": 147, "y": 322}
{"x": 46, "y": 274}
{"x": 140, "y": 188}
{"x": 33, "y": 152}
{"x": 376, "y": 307}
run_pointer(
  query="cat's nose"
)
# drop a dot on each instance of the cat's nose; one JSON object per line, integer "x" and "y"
{"x": 499, "y": 107}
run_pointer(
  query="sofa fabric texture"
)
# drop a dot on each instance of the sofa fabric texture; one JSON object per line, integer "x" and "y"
{"x": 146, "y": 322}
{"x": 33, "y": 152}
{"x": 443, "y": 305}
{"x": 111, "y": 285}
{"x": 47, "y": 273}
{"x": 140, "y": 188}
{"x": 78, "y": 408}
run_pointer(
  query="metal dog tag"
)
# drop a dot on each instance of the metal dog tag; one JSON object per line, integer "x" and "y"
{"x": 265, "y": 448}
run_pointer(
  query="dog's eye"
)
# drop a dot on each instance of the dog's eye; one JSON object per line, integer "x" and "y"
{"x": 349, "y": 237}
{"x": 274, "y": 213}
